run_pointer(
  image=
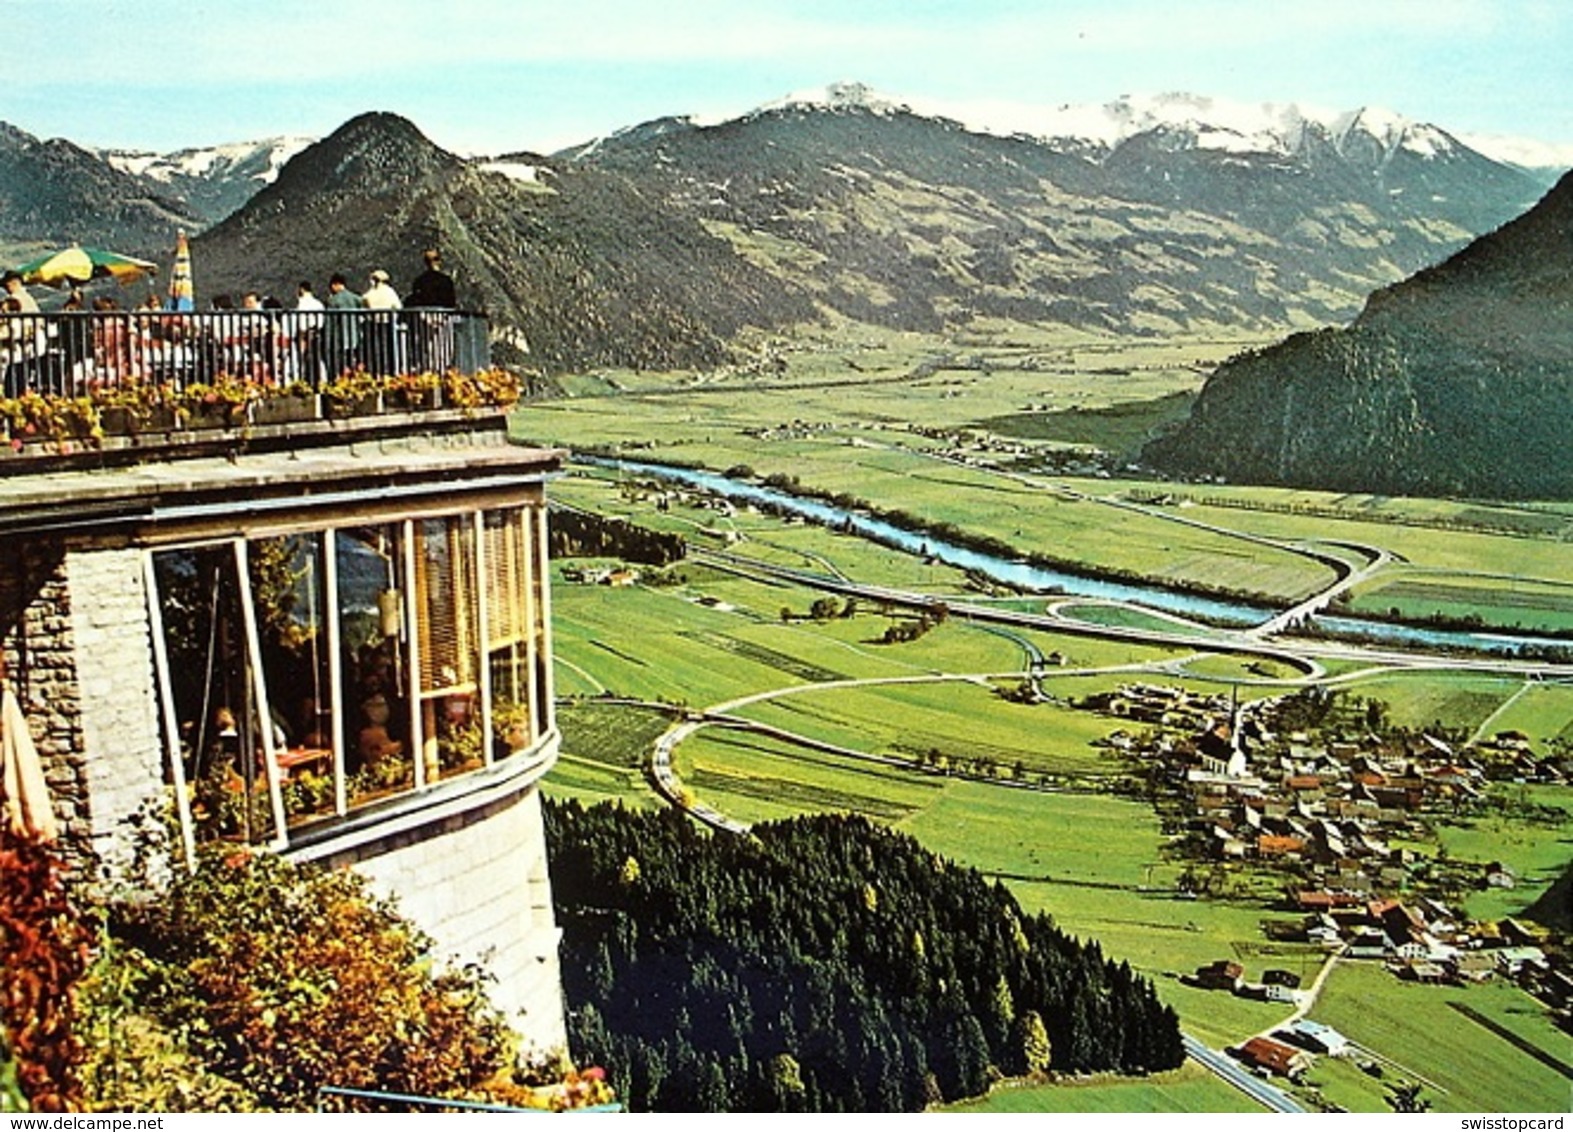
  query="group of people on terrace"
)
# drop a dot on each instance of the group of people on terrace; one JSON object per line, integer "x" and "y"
{"x": 83, "y": 345}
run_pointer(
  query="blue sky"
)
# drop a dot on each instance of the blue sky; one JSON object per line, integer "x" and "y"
{"x": 489, "y": 76}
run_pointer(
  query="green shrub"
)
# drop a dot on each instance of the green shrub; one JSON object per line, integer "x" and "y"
{"x": 293, "y": 978}
{"x": 137, "y": 1063}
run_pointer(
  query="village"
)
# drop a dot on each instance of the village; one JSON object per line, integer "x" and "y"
{"x": 1325, "y": 804}
{"x": 1313, "y": 803}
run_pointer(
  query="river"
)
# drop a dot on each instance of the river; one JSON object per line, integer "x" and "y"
{"x": 1026, "y": 576}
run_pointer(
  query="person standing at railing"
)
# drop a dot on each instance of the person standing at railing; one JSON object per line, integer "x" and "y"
{"x": 434, "y": 286}
{"x": 13, "y": 358}
{"x": 434, "y": 298}
{"x": 111, "y": 342}
{"x": 382, "y": 346}
{"x": 22, "y": 338}
{"x": 280, "y": 350}
{"x": 14, "y": 289}
{"x": 76, "y": 342}
{"x": 343, "y": 330}
{"x": 307, "y": 325}
{"x": 212, "y": 346}
{"x": 251, "y": 344}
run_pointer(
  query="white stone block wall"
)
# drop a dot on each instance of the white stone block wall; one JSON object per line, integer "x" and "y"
{"x": 478, "y": 885}
{"x": 123, "y": 758}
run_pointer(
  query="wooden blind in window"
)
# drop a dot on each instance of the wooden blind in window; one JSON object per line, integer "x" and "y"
{"x": 506, "y": 578}
{"x": 447, "y": 594}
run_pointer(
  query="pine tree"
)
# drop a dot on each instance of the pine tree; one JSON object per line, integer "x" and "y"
{"x": 1031, "y": 1041}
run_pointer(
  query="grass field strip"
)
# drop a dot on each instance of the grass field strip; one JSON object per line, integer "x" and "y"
{"x": 1485, "y": 724}
{"x": 1432, "y": 677}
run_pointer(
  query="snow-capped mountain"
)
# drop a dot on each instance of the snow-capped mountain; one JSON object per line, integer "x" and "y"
{"x": 1526, "y": 153}
{"x": 214, "y": 180}
{"x": 1096, "y": 130}
{"x": 54, "y": 192}
{"x": 655, "y": 244}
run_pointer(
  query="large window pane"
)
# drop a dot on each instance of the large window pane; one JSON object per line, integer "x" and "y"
{"x": 289, "y": 593}
{"x": 370, "y": 660}
{"x": 508, "y": 630}
{"x": 448, "y": 647}
{"x": 375, "y": 640}
{"x": 212, "y": 687}
{"x": 541, "y": 612}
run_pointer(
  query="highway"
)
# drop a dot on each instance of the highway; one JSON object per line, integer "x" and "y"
{"x": 1304, "y": 655}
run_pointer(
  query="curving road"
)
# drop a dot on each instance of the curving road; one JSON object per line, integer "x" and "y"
{"x": 1304, "y": 655}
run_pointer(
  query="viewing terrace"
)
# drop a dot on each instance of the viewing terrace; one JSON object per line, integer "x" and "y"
{"x": 117, "y": 384}
{"x": 282, "y": 578}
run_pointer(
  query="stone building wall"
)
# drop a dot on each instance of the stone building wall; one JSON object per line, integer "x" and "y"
{"x": 37, "y": 639}
{"x": 124, "y": 768}
{"x": 477, "y": 883}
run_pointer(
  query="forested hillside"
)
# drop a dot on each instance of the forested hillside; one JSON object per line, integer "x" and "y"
{"x": 1455, "y": 382}
{"x": 823, "y": 964}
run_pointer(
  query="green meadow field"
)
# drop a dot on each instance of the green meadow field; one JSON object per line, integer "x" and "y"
{"x": 1187, "y": 1089}
{"x": 1099, "y": 863}
{"x": 930, "y": 742}
{"x": 1463, "y": 1065}
{"x": 1506, "y": 600}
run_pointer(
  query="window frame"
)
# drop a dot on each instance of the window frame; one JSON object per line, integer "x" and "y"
{"x": 466, "y": 531}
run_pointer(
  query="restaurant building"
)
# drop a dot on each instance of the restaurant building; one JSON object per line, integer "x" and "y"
{"x": 326, "y": 637}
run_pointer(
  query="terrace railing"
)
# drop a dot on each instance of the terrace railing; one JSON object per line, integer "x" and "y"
{"x": 71, "y": 354}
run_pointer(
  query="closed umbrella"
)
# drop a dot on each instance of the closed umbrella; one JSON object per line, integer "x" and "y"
{"x": 182, "y": 292}
{"x": 27, "y": 809}
{"x": 77, "y": 265}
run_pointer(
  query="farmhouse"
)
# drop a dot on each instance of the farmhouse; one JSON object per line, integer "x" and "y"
{"x": 1221, "y": 974}
{"x": 1316, "y": 1037}
{"x": 1275, "y": 1057}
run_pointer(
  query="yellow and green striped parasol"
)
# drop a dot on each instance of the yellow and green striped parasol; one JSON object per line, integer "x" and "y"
{"x": 182, "y": 291}
{"x": 76, "y": 265}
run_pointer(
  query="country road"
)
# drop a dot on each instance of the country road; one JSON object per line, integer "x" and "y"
{"x": 1232, "y": 1072}
{"x": 1304, "y": 655}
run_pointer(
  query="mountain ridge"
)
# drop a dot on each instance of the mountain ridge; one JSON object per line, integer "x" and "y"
{"x": 1454, "y": 381}
{"x": 678, "y": 244}
{"x": 215, "y": 180}
{"x": 52, "y": 190}
{"x": 1101, "y": 127}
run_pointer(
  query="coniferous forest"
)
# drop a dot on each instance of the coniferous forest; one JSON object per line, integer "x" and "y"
{"x": 576, "y": 534}
{"x": 821, "y": 964}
